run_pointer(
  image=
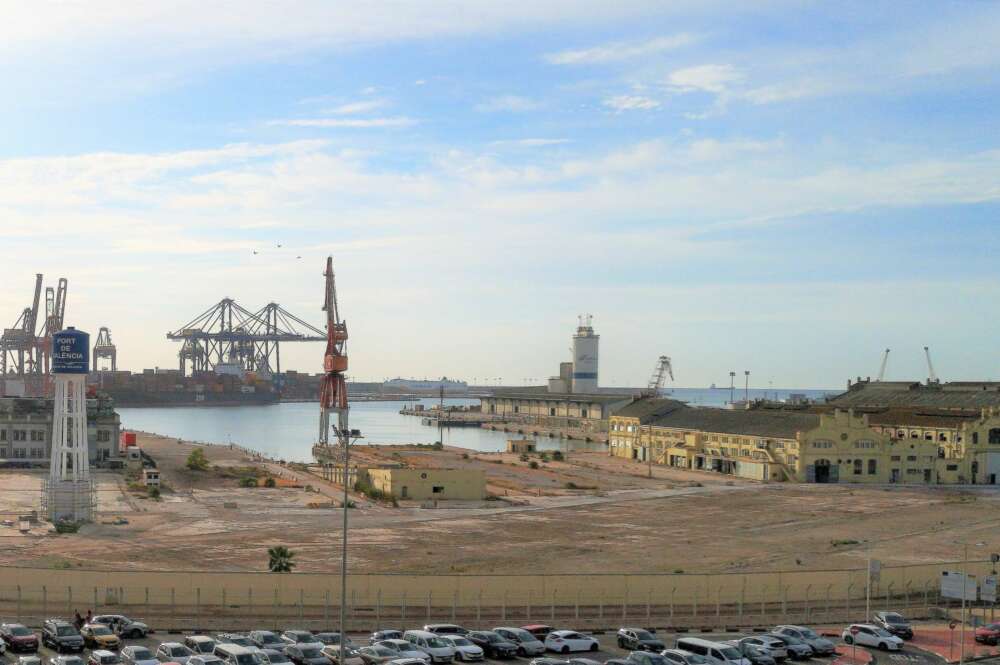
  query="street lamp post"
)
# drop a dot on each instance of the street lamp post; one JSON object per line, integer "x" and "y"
{"x": 346, "y": 437}
{"x": 965, "y": 586}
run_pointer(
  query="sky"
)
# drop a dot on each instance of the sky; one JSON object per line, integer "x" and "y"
{"x": 782, "y": 187}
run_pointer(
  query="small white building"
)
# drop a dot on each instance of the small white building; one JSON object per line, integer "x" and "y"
{"x": 151, "y": 477}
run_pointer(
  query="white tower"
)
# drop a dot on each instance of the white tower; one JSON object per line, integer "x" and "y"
{"x": 585, "y": 357}
{"x": 69, "y": 494}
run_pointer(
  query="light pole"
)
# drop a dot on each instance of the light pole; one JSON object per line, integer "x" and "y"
{"x": 965, "y": 586}
{"x": 746, "y": 387}
{"x": 346, "y": 437}
{"x": 732, "y": 387}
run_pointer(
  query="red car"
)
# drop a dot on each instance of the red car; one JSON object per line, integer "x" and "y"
{"x": 18, "y": 637}
{"x": 988, "y": 634}
{"x": 539, "y": 630}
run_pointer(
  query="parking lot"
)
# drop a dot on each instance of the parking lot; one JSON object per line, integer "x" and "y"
{"x": 608, "y": 649}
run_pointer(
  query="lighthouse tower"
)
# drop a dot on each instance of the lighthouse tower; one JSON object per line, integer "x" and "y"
{"x": 69, "y": 493}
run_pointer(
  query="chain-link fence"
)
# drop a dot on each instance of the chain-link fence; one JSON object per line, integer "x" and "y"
{"x": 239, "y": 601}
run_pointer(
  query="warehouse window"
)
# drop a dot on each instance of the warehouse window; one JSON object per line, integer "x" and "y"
{"x": 894, "y": 458}
{"x": 911, "y": 458}
{"x": 437, "y": 489}
{"x": 3, "y": 435}
{"x": 872, "y": 467}
{"x": 995, "y": 435}
{"x": 20, "y": 453}
{"x": 864, "y": 443}
{"x": 822, "y": 444}
{"x": 552, "y": 412}
{"x": 857, "y": 467}
{"x": 975, "y": 438}
{"x": 951, "y": 467}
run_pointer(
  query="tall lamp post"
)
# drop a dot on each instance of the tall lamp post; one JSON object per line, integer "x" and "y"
{"x": 346, "y": 437}
{"x": 746, "y": 386}
{"x": 732, "y": 387}
{"x": 965, "y": 585}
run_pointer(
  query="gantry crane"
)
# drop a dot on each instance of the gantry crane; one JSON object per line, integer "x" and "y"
{"x": 105, "y": 348}
{"x": 18, "y": 344}
{"x": 931, "y": 374}
{"x": 881, "y": 369}
{"x": 661, "y": 371}
{"x": 333, "y": 389}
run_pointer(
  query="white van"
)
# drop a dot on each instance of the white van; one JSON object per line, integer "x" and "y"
{"x": 715, "y": 652}
{"x": 432, "y": 645}
{"x": 234, "y": 654}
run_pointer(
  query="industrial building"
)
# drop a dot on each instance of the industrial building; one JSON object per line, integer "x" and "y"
{"x": 825, "y": 445}
{"x": 429, "y": 484}
{"x": 569, "y": 398}
{"x": 26, "y": 430}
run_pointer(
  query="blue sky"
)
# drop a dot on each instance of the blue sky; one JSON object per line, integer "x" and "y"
{"x": 786, "y": 187}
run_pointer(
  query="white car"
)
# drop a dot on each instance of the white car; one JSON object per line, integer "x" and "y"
{"x": 173, "y": 652}
{"x": 464, "y": 649}
{"x": 404, "y": 649}
{"x": 138, "y": 655}
{"x": 564, "y": 641}
{"x": 867, "y": 635}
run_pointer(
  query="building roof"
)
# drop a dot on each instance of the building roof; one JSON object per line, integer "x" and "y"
{"x": 958, "y": 395}
{"x": 748, "y": 422}
{"x": 648, "y": 409}
{"x": 542, "y": 393}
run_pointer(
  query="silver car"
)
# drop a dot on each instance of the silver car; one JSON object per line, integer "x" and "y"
{"x": 527, "y": 644}
{"x": 820, "y": 645}
{"x": 174, "y": 652}
{"x": 772, "y": 646}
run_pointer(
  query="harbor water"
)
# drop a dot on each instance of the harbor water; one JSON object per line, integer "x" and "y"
{"x": 288, "y": 430}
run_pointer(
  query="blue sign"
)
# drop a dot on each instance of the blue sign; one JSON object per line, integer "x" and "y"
{"x": 70, "y": 352}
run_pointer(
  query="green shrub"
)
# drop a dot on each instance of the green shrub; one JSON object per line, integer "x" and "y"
{"x": 270, "y": 482}
{"x": 533, "y": 464}
{"x": 571, "y": 485}
{"x": 197, "y": 461}
{"x": 154, "y": 493}
{"x": 524, "y": 457}
{"x": 465, "y": 455}
{"x": 248, "y": 482}
{"x": 557, "y": 455}
{"x": 544, "y": 456}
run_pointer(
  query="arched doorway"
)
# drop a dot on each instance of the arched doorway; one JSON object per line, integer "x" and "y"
{"x": 823, "y": 471}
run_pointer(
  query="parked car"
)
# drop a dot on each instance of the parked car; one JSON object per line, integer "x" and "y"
{"x": 465, "y": 650}
{"x": 527, "y": 644}
{"x": 639, "y": 639}
{"x": 988, "y": 634}
{"x": 772, "y": 646}
{"x": 867, "y": 635}
{"x": 104, "y": 657}
{"x": 202, "y": 645}
{"x": 350, "y": 654}
{"x": 377, "y": 655}
{"x": 820, "y": 645}
{"x": 18, "y": 637}
{"x": 895, "y": 623}
{"x": 446, "y": 629}
{"x": 493, "y": 644}
{"x": 385, "y": 634}
{"x": 405, "y": 650}
{"x": 138, "y": 655}
{"x": 232, "y": 653}
{"x": 204, "y": 659}
{"x": 306, "y": 653}
{"x": 301, "y": 637}
{"x": 432, "y": 645}
{"x": 61, "y": 636}
{"x": 234, "y": 638}
{"x": 564, "y": 641}
{"x": 717, "y": 653}
{"x": 539, "y": 630}
{"x": 639, "y": 658}
{"x": 582, "y": 661}
{"x": 549, "y": 660}
{"x": 123, "y": 626}
{"x": 66, "y": 660}
{"x": 681, "y": 657}
{"x": 755, "y": 654}
{"x": 174, "y": 652}
{"x": 274, "y": 656}
{"x": 796, "y": 648}
{"x": 265, "y": 639}
{"x": 29, "y": 660}
{"x": 99, "y": 636}
{"x": 407, "y": 661}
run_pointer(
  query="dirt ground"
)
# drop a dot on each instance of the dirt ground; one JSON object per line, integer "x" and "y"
{"x": 613, "y": 518}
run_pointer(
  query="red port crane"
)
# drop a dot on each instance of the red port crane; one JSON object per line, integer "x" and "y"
{"x": 333, "y": 390}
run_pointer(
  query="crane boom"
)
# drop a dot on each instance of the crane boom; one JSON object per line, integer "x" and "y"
{"x": 661, "y": 371}
{"x": 881, "y": 369}
{"x": 931, "y": 375}
{"x": 333, "y": 389}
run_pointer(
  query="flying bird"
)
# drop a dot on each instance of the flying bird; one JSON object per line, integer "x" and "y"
{"x": 255, "y": 252}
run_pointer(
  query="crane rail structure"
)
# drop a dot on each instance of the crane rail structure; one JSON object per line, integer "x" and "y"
{"x": 24, "y": 348}
{"x": 227, "y": 336}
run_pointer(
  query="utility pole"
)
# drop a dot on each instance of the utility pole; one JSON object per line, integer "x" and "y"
{"x": 732, "y": 387}
{"x": 746, "y": 387}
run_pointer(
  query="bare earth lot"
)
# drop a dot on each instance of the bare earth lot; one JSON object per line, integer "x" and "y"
{"x": 613, "y": 518}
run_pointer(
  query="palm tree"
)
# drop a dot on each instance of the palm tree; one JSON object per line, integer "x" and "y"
{"x": 280, "y": 559}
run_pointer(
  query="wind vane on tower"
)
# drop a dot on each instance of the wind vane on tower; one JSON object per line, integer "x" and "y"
{"x": 333, "y": 390}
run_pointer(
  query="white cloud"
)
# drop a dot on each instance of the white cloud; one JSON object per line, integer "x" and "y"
{"x": 512, "y": 103}
{"x": 349, "y": 123}
{"x": 620, "y": 50}
{"x": 631, "y": 103}
{"x": 705, "y": 78}
{"x": 530, "y": 143}
{"x": 356, "y": 107}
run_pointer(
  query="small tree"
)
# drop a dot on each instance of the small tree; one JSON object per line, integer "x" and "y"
{"x": 269, "y": 482}
{"x": 153, "y": 492}
{"x": 197, "y": 461}
{"x": 280, "y": 559}
{"x": 248, "y": 482}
